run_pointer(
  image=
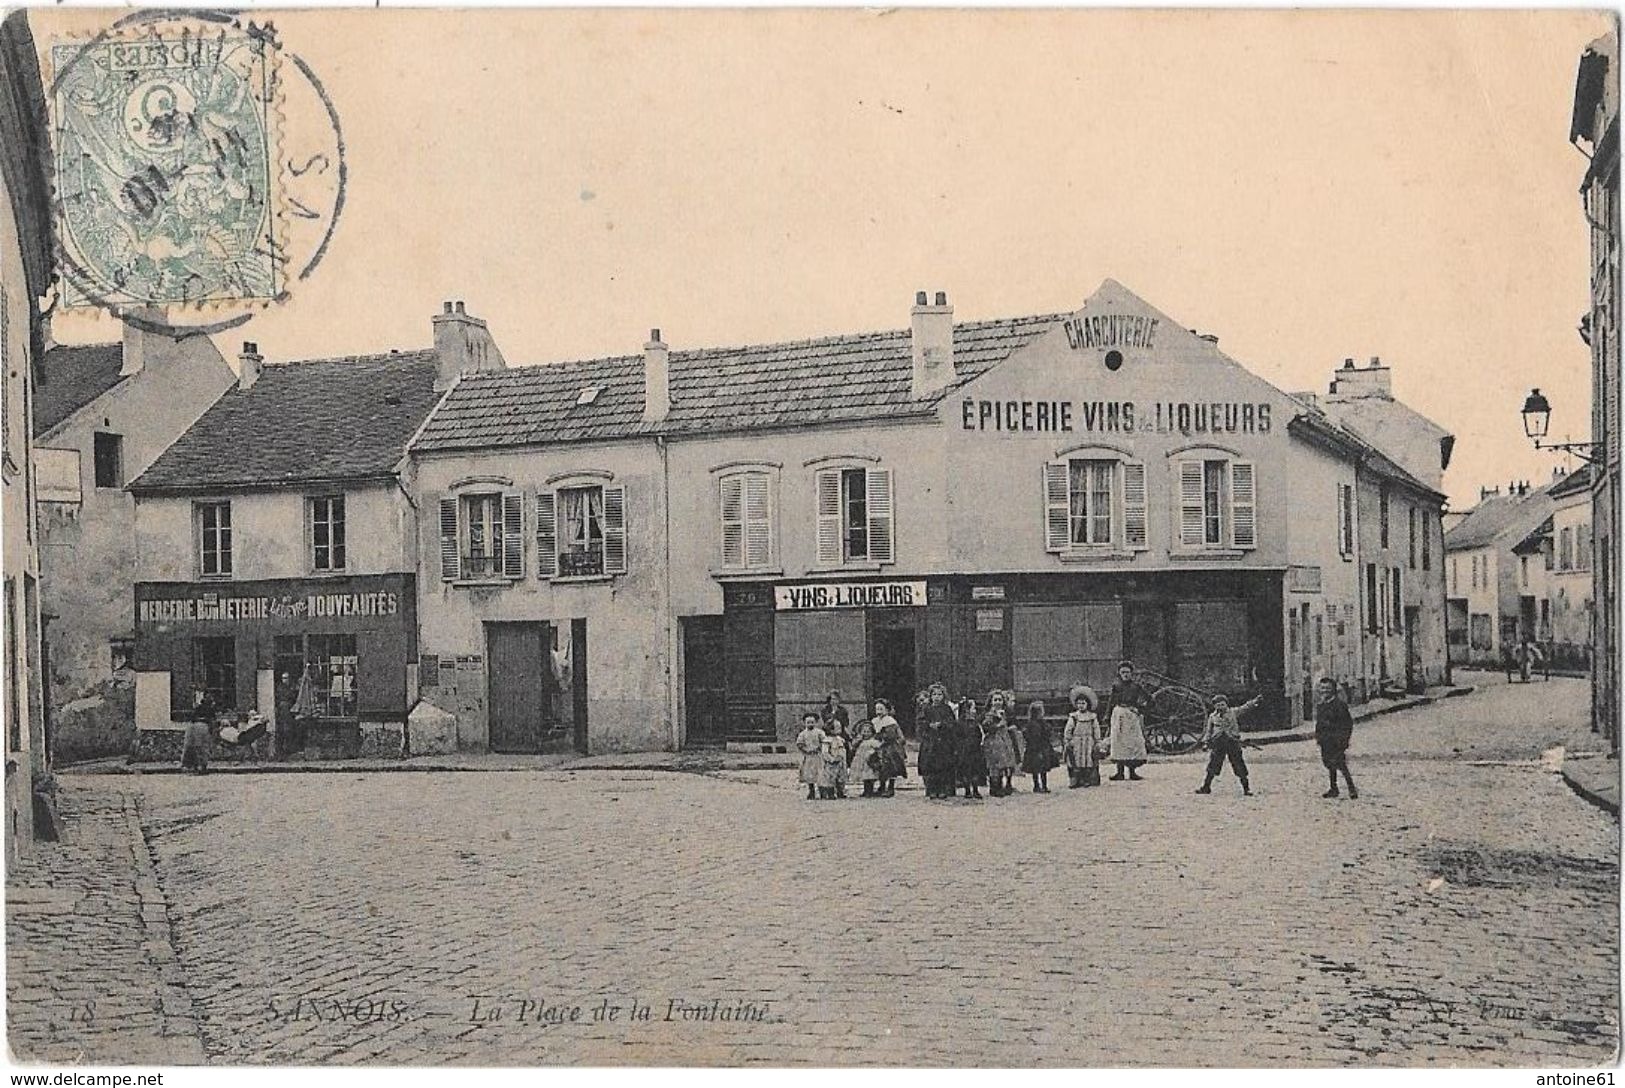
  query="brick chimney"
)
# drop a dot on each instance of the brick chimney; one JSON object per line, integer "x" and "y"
{"x": 1350, "y": 381}
{"x": 932, "y": 332}
{"x": 249, "y": 364}
{"x": 463, "y": 345}
{"x": 656, "y": 378}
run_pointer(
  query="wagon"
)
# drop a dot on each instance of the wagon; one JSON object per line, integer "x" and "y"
{"x": 1177, "y": 715}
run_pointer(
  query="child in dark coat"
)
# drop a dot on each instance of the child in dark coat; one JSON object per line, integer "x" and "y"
{"x": 939, "y": 736}
{"x": 972, "y": 764}
{"x": 1037, "y": 756}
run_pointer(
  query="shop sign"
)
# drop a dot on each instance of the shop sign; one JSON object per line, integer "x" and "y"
{"x": 987, "y": 593}
{"x": 1111, "y": 331}
{"x": 849, "y": 595}
{"x": 1303, "y": 579}
{"x": 1059, "y": 416}
{"x": 214, "y": 608}
{"x": 990, "y": 619}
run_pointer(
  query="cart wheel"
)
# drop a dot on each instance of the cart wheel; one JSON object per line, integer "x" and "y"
{"x": 1176, "y": 722}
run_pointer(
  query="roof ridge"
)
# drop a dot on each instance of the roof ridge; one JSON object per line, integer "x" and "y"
{"x": 393, "y": 354}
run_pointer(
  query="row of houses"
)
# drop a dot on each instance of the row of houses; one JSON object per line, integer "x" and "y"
{"x": 677, "y": 546}
{"x": 1520, "y": 570}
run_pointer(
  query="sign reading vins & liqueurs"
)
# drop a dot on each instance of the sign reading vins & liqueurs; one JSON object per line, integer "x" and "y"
{"x": 849, "y": 595}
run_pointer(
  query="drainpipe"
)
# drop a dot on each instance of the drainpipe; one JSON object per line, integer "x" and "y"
{"x": 666, "y": 606}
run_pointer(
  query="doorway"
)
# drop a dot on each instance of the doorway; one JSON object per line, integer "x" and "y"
{"x": 536, "y": 686}
{"x": 895, "y": 677}
{"x": 705, "y": 702}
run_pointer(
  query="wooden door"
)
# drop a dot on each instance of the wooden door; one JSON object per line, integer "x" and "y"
{"x": 705, "y": 705}
{"x": 578, "y": 683}
{"x": 517, "y": 669}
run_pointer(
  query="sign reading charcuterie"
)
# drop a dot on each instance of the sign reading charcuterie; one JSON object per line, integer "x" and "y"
{"x": 849, "y": 595}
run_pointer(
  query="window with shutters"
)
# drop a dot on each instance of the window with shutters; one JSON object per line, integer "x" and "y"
{"x": 746, "y": 509}
{"x": 1373, "y": 601}
{"x": 1410, "y": 513}
{"x": 1565, "y": 550}
{"x": 581, "y": 532}
{"x": 854, "y": 516}
{"x": 1094, "y": 504}
{"x": 1382, "y": 513}
{"x": 1345, "y": 520}
{"x": 1217, "y": 504}
{"x": 480, "y": 536}
{"x": 1427, "y": 540}
{"x": 213, "y": 521}
{"x": 325, "y": 516}
{"x": 1396, "y": 609}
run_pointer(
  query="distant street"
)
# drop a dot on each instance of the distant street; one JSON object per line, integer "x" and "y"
{"x": 1463, "y": 910}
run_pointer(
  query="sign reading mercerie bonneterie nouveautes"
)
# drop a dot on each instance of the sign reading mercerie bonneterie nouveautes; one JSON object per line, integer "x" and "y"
{"x": 849, "y": 595}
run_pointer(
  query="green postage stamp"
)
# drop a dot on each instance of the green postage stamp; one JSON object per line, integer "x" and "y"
{"x": 165, "y": 179}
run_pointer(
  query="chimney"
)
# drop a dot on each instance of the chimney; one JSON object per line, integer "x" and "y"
{"x": 141, "y": 344}
{"x": 932, "y": 332}
{"x": 656, "y": 378}
{"x": 249, "y": 363}
{"x": 1350, "y": 381}
{"x": 1486, "y": 492}
{"x": 1210, "y": 338}
{"x": 463, "y": 345}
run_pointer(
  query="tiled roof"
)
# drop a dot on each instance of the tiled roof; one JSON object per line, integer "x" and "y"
{"x": 73, "y": 376}
{"x": 805, "y": 382}
{"x": 1314, "y": 422}
{"x": 1496, "y": 516}
{"x": 323, "y": 420}
{"x": 1575, "y": 482}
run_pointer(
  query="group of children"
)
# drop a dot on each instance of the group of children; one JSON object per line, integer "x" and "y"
{"x": 963, "y": 749}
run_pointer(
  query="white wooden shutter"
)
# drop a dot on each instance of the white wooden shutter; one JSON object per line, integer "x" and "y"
{"x": 1190, "y": 504}
{"x": 451, "y": 562}
{"x": 1057, "y": 507}
{"x": 829, "y": 517}
{"x": 878, "y": 485}
{"x": 1135, "y": 534}
{"x": 733, "y": 521}
{"x": 615, "y": 530}
{"x": 547, "y": 535}
{"x": 1243, "y": 505}
{"x": 513, "y": 535}
{"x": 758, "y": 520}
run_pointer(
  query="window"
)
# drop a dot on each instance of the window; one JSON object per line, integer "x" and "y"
{"x": 1217, "y": 504}
{"x": 481, "y": 535}
{"x": 747, "y": 521}
{"x": 580, "y": 532}
{"x": 1094, "y": 502}
{"x": 1410, "y": 514}
{"x": 214, "y": 539}
{"x": 1523, "y": 570}
{"x": 1582, "y": 546}
{"x": 1565, "y": 550}
{"x": 109, "y": 457}
{"x": 1373, "y": 600}
{"x": 1382, "y": 513}
{"x": 331, "y": 664}
{"x": 1455, "y": 575}
{"x": 1345, "y": 520}
{"x": 1427, "y": 542}
{"x": 214, "y": 670}
{"x": 854, "y": 516}
{"x": 326, "y": 532}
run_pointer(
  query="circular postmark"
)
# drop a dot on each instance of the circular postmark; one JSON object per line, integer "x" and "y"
{"x": 198, "y": 169}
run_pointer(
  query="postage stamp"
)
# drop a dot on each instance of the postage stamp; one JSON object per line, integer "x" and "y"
{"x": 166, "y": 179}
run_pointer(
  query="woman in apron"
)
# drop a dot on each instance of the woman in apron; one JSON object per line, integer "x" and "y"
{"x": 1129, "y": 701}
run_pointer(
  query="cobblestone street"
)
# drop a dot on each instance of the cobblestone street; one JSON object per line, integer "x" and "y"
{"x": 1462, "y": 911}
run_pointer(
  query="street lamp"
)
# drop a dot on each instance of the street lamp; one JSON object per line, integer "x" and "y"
{"x": 1537, "y": 418}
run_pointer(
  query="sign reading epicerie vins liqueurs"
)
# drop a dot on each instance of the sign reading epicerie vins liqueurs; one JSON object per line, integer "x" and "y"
{"x": 849, "y": 595}
{"x": 1115, "y": 417}
{"x": 253, "y": 609}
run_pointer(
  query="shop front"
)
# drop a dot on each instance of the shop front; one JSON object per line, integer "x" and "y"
{"x": 325, "y": 660}
{"x": 787, "y": 645}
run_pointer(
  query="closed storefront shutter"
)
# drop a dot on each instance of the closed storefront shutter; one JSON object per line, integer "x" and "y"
{"x": 815, "y": 653}
{"x": 450, "y": 562}
{"x": 547, "y": 535}
{"x": 1053, "y": 647}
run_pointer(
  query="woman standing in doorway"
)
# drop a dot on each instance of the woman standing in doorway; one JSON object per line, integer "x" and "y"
{"x": 1129, "y": 702}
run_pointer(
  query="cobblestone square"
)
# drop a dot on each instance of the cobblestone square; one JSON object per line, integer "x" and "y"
{"x": 1462, "y": 911}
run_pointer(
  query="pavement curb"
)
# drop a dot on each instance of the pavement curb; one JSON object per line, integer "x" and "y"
{"x": 1407, "y": 703}
{"x": 1588, "y": 794}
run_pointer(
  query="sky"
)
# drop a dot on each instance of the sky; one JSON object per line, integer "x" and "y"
{"x": 1308, "y": 186}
